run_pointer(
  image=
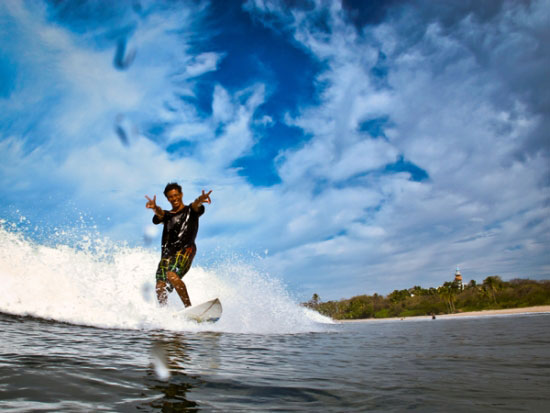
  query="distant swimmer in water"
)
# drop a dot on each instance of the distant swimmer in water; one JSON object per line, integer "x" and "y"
{"x": 181, "y": 225}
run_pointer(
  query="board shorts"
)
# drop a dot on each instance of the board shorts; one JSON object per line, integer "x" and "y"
{"x": 179, "y": 263}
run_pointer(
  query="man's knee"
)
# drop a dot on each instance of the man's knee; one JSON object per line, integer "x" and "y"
{"x": 172, "y": 277}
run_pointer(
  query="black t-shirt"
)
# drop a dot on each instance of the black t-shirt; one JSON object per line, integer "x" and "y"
{"x": 180, "y": 229}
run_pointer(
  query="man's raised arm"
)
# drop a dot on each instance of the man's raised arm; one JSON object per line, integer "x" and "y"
{"x": 201, "y": 199}
{"x": 152, "y": 204}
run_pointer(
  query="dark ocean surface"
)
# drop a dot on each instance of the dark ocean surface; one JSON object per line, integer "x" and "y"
{"x": 483, "y": 364}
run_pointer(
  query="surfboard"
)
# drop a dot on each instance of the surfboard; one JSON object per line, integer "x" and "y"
{"x": 209, "y": 311}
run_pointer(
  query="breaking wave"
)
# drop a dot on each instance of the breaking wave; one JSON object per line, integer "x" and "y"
{"x": 97, "y": 282}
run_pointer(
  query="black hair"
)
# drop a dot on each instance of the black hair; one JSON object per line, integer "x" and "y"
{"x": 170, "y": 186}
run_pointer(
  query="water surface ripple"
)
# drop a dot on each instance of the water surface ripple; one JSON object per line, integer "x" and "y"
{"x": 486, "y": 364}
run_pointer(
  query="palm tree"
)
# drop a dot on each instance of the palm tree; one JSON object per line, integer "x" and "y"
{"x": 492, "y": 284}
{"x": 314, "y": 302}
{"x": 315, "y": 299}
{"x": 448, "y": 292}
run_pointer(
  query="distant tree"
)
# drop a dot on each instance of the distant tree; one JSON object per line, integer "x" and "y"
{"x": 484, "y": 292}
{"x": 418, "y": 290}
{"x": 315, "y": 299}
{"x": 447, "y": 298}
{"x": 448, "y": 292}
{"x": 432, "y": 291}
{"x": 314, "y": 302}
{"x": 399, "y": 295}
{"x": 492, "y": 285}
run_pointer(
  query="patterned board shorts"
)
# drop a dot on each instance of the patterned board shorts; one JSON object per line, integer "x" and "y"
{"x": 178, "y": 263}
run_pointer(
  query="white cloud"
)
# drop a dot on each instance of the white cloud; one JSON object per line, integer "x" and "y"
{"x": 237, "y": 138}
{"x": 222, "y": 107}
{"x": 338, "y": 222}
{"x": 362, "y": 157}
{"x": 444, "y": 118}
{"x": 202, "y": 63}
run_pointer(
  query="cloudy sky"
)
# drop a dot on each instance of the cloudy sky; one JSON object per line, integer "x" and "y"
{"x": 352, "y": 147}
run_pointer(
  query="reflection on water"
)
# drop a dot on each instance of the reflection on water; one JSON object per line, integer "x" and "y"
{"x": 174, "y": 394}
{"x": 170, "y": 374}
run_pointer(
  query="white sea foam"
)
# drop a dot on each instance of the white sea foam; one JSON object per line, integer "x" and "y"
{"x": 94, "y": 282}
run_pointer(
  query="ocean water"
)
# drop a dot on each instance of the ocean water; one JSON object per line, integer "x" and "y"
{"x": 80, "y": 332}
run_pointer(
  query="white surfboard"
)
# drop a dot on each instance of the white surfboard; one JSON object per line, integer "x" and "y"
{"x": 209, "y": 311}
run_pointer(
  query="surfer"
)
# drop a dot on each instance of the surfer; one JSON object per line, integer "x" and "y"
{"x": 181, "y": 225}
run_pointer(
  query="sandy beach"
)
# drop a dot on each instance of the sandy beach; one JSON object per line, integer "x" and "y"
{"x": 524, "y": 310}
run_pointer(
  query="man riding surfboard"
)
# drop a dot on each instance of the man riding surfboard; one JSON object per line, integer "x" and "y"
{"x": 181, "y": 225}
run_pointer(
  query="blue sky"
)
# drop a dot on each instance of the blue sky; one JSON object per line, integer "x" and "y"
{"x": 356, "y": 147}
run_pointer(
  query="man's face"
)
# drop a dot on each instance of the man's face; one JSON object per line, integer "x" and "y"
{"x": 175, "y": 198}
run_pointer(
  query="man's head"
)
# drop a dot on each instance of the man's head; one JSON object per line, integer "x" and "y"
{"x": 173, "y": 193}
{"x": 170, "y": 186}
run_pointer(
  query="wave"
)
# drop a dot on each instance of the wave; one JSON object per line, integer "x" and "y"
{"x": 96, "y": 282}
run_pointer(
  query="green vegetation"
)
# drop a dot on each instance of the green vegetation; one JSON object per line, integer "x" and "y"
{"x": 493, "y": 293}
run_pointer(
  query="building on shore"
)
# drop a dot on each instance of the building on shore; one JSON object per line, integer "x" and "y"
{"x": 458, "y": 278}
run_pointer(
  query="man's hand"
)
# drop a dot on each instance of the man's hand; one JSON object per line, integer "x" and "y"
{"x": 152, "y": 204}
{"x": 201, "y": 199}
{"x": 204, "y": 197}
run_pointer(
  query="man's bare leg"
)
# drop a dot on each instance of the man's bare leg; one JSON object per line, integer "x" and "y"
{"x": 180, "y": 287}
{"x": 161, "y": 292}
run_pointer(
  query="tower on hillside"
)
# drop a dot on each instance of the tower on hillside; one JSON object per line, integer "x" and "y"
{"x": 458, "y": 278}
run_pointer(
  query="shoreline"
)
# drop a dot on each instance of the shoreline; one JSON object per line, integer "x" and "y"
{"x": 482, "y": 313}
